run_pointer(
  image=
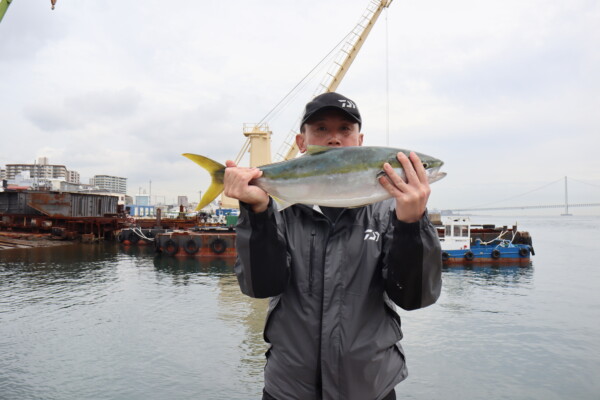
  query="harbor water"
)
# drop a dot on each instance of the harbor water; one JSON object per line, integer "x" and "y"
{"x": 103, "y": 321}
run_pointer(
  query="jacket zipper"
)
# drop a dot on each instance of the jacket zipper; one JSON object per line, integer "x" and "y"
{"x": 319, "y": 366}
{"x": 310, "y": 260}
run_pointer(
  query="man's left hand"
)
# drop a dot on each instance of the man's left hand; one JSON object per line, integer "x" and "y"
{"x": 411, "y": 196}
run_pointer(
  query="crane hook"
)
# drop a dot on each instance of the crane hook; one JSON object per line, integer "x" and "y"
{"x": 53, "y": 3}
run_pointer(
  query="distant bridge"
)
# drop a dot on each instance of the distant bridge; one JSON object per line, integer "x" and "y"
{"x": 526, "y": 207}
{"x": 566, "y": 205}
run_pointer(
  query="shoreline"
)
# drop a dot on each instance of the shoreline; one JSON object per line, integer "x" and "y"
{"x": 24, "y": 240}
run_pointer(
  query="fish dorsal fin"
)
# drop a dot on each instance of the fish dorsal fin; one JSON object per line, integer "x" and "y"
{"x": 313, "y": 149}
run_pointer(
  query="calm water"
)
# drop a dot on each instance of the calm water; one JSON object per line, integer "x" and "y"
{"x": 103, "y": 322}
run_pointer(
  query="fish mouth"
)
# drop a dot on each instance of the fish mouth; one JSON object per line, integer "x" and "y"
{"x": 434, "y": 174}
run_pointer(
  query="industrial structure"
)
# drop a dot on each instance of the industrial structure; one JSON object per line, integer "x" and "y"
{"x": 258, "y": 136}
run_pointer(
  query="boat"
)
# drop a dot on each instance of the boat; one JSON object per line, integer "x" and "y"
{"x": 464, "y": 243}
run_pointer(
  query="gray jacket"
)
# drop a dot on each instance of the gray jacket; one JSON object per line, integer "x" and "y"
{"x": 332, "y": 328}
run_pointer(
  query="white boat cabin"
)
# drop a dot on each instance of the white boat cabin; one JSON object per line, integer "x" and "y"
{"x": 456, "y": 234}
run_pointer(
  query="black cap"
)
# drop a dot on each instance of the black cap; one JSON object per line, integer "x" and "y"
{"x": 331, "y": 100}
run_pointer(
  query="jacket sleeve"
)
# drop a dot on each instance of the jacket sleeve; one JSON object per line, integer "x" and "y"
{"x": 262, "y": 265}
{"x": 413, "y": 264}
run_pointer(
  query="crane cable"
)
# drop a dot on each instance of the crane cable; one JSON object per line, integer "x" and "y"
{"x": 387, "y": 81}
{"x": 320, "y": 63}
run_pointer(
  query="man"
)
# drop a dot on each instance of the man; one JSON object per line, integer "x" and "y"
{"x": 333, "y": 273}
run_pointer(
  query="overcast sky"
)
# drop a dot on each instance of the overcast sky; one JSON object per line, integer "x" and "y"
{"x": 505, "y": 92}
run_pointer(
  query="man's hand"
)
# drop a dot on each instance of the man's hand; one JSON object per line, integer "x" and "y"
{"x": 411, "y": 196}
{"x": 237, "y": 186}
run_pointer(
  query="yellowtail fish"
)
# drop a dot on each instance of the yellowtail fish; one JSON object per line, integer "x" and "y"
{"x": 325, "y": 176}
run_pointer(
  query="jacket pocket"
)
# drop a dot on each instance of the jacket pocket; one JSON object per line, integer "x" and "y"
{"x": 394, "y": 317}
{"x": 273, "y": 303}
{"x": 361, "y": 259}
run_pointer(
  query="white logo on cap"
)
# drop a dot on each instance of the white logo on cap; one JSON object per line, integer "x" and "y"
{"x": 347, "y": 104}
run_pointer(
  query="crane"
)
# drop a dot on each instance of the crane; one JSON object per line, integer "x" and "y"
{"x": 258, "y": 136}
{"x": 5, "y": 3}
{"x": 348, "y": 53}
{"x": 3, "y": 7}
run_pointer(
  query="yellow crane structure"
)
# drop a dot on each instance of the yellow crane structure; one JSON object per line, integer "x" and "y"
{"x": 258, "y": 136}
{"x": 5, "y": 3}
{"x": 340, "y": 66}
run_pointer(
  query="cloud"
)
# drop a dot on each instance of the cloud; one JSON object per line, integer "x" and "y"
{"x": 500, "y": 90}
{"x": 83, "y": 109}
{"x": 51, "y": 117}
{"x": 105, "y": 104}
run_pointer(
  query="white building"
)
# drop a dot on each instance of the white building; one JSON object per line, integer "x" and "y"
{"x": 113, "y": 184}
{"x": 42, "y": 170}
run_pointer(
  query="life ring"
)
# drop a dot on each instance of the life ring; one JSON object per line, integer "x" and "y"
{"x": 134, "y": 238}
{"x": 445, "y": 256}
{"x": 495, "y": 253}
{"x": 469, "y": 255}
{"x": 218, "y": 246}
{"x": 170, "y": 247}
{"x": 191, "y": 247}
{"x": 523, "y": 252}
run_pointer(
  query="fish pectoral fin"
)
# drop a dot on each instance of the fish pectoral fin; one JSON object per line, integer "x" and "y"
{"x": 315, "y": 149}
{"x": 281, "y": 204}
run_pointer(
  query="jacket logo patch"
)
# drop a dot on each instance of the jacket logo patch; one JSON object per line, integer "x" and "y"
{"x": 370, "y": 234}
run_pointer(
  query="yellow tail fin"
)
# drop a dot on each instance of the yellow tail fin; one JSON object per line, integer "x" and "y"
{"x": 216, "y": 171}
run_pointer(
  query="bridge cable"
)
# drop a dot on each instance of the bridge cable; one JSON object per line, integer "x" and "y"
{"x": 515, "y": 196}
{"x": 585, "y": 183}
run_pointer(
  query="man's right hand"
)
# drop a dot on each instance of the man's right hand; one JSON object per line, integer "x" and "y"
{"x": 237, "y": 186}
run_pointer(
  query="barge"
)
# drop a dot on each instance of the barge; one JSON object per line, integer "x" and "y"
{"x": 464, "y": 243}
{"x": 196, "y": 242}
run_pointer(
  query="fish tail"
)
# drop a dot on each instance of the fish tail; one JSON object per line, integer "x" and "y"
{"x": 216, "y": 171}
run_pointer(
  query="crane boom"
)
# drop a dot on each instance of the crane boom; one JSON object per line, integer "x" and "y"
{"x": 3, "y": 7}
{"x": 258, "y": 136}
{"x": 5, "y": 3}
{"x": 346, "y": 56}
{"x": 352, "y": 46}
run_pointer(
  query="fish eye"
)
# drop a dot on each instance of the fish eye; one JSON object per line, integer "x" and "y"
{"x": 425, "y": 165}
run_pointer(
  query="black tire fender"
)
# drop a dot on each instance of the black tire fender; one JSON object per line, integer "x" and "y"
{"x": 134, "y": 238}
{"x": 218, "y": 246}
{"x": 170, "y": 247}
{"x": 495, "y": 254}
{"x": 469, "y": 255}
{"x": 191, "y": 247}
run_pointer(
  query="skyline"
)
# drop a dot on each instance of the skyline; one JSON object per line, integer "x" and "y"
{"x": 501, "y": 91}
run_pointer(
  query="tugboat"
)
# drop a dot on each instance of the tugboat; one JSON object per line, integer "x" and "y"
{"x": 465, "y": 244}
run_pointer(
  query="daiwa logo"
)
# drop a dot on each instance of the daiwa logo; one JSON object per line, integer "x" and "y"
{"x": 347, "y": 104}
{"x": 370, "y": 234}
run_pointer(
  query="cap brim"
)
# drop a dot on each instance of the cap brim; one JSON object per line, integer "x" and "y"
{"x": 312, "y": 114}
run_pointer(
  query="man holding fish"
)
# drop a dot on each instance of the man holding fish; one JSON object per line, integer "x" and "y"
{"x": 333, "y": 269}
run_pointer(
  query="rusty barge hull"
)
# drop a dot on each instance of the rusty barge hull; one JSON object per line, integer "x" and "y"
{"x": 64, "y": 214}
